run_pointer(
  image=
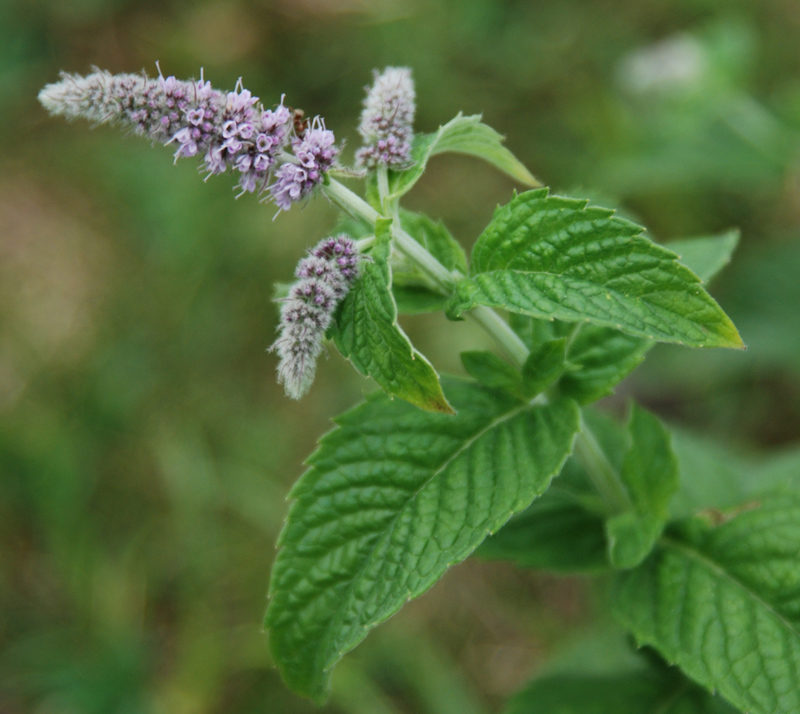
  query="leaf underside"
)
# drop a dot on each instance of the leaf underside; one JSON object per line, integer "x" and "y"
{"x": 393, "y": 497}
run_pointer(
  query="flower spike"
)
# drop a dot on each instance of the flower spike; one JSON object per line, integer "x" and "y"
{"x": 387, "y": 120}
{"x": 324, "y": 278}
{"x": 229, "y": 131}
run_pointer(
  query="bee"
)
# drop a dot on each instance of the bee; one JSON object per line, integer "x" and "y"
{"x": 300, "y": 122}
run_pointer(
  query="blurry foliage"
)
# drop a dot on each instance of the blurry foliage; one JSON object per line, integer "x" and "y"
{"x": 145, "y": 450}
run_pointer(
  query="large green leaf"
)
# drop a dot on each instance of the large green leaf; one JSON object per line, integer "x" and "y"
{"x": 565, "y": 530}
{"x": 367, "y": 333}
{"x": 649, "y": 474}
{"x": 553, "y": 257}
{"x": 462, "y": 135}
{"x": 393, "y": 497}
{"x": 723, "y": 602}
{"x": 603, "y": 356}
{"x": 606, "y": 356}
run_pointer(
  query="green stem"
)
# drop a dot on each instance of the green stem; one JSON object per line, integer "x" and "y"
{"x": 498, "y": 328}
{"x": 605, "y": 479}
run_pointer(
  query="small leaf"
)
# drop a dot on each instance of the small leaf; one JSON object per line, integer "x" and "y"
{"x": 492, "y": 371}
{"x": 467, "y": 135}
{"x": 603, "y": 357}
{"x": 723, "y": 603}
{"x": 393, "y": 497}
{"x": 556, "y": 533}
{"x": 416, "y": 299}
{"x": 650, "y": 475}
{"x": 409, "y": 285}
{"x": 547, "y": 256}
{"x": 464, "y": 135}
{"x": 367, "y": 334}
{"x": 543, "y": 366}
{"x": 434, "y": 236}
{"x": 641, "y": 691}
{"x": 708, "y": 255}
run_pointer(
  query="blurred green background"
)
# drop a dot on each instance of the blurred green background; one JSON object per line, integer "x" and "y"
{"x": 145, "y": 450}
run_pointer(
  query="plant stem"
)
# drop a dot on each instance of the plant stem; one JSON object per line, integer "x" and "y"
{"x": 603, "y": 476}
{"x": 498, "y": 328}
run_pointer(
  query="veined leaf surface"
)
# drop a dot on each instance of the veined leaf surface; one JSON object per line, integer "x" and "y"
{"x": 649, "y": 474}
{"x": 393, "y": 497}
{"x": 723, "y": 603}
{"x": 553, "y": 257}
{"x": 368, "y": 335}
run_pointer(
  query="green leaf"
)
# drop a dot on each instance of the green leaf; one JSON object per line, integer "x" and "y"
{"x": 547, "y": 256}
{"x": 409, "y": 285}
{"x": 416, "y": 299}
{"x": 717, "y": 482}
{"x": 602, "y": 357}
{"x": 564, "y": 530}
{"x": 492, "y": 371}
{"x": 724, "y": 604}
{"x": 463, "y": 135}
{"x": 650, "y": 476}
{"x": 543, "y": 366}
{"x": 393, "y": 497}
{"x": 436, "y": 239}
{"x": 640, "y": 692}
{"x": 367, "y": 334}
{"x": 556, "y": 533}
{"x": 708, "y": 255}
{"x": 606, "y": 356}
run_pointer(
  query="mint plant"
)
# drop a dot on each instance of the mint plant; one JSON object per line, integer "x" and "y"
{"x": 513, "y": 462}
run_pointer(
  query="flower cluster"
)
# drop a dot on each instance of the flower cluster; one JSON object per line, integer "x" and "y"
{"x": 387, "y": 120}
{"x": 230, "y": 131}
{"x": 315, "y": 153}
{"x": 324, "y": 278}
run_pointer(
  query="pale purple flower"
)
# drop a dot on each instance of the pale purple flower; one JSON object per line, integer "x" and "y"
{"x": 230, "y": 131}
{"x": 324, "y": 278}
{"x": 314, "y": 154}
{"x": 387, "y": 120}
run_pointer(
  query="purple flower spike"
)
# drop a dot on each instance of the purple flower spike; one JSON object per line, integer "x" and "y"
{"x": 315, "y": 154}
{"x": 230, "y": 131}
{"x": 387, "y": 120}
{"x": 325, "y": 277}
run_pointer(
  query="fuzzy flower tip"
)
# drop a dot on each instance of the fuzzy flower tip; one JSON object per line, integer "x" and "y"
{"x": 227, "y": 130}
{"x": 387, "y": 120}
{"x": 324, "y": 278}
{"x": 314, "y": 155}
